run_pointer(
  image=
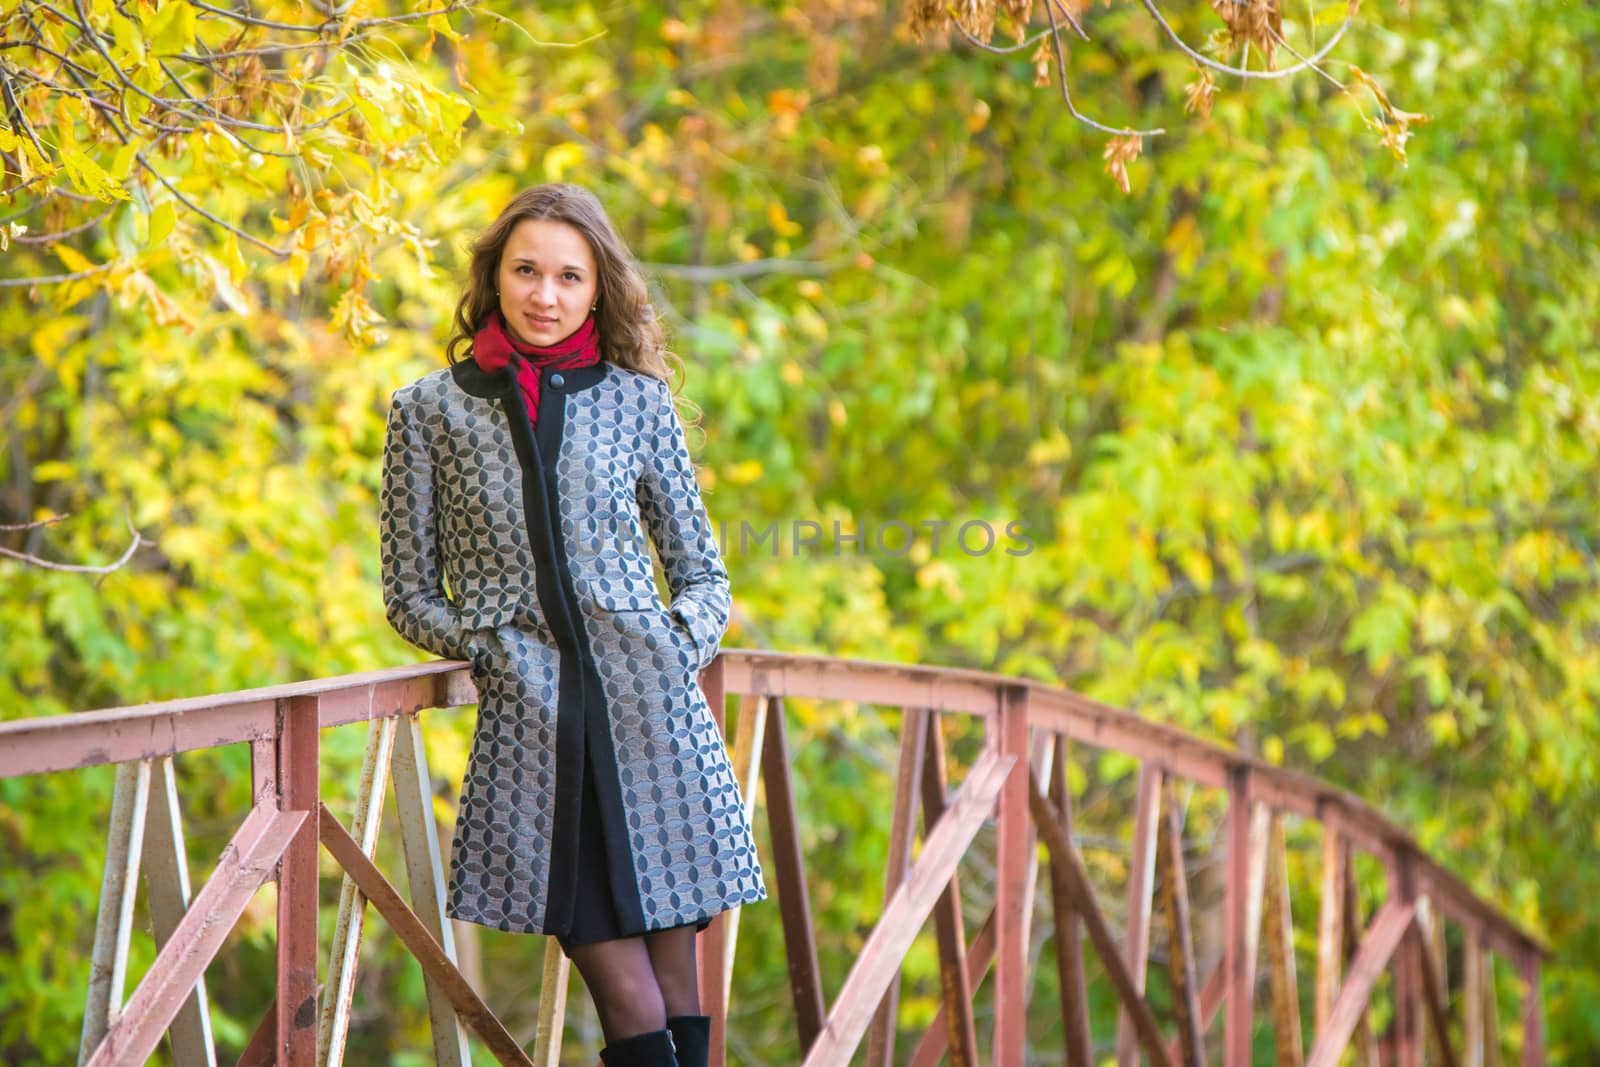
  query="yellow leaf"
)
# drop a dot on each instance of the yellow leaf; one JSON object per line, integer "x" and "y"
{"x": 1332, "y": 14}
{"x": 298, "y": 211}
{"x": 1055, "y": 447}
{"x": 299, "y": 263}
{"x": 74, "y": 259}
{"x": 978, "y": 117}
{"x": 779, "y": 220}
{"x": 1197, "y": 565}
{"x": 130, "y": 42}
{"x": 231, "y": 255}
{"x": 560, "y": 158}
{"x": 172, "y": 27}
{"x": 498, "y": 118}
{"x": 1280, "y": 526}
{"x": 90, "y": 178}
{"x": 225, "y": 290}
{"x": 440, "y": 24}
{"x": 122, "y": 165}
{"x": 1184, "y": 243}
{"x": 162, "y": 219}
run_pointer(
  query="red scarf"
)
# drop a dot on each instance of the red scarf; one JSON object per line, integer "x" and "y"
{"x": 492, "y": 348}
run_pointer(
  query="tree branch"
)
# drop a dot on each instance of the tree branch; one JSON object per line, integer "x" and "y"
{"x": 47, "y": 238}
{"x": 703, "y": 273}
{"x": 1290, "y": 562}
{"x": 1244, "y": 72}
{"x": 267, "y": 24}
{"x": 1066, "y": 95}
{"x": 75, "y": 568}
{"x": 281, "y": 253}
{"x": 51, "y": 279}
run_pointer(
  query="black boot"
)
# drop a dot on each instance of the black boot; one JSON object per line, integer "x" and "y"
{"x": 692, "y": 1035}
{"x": 653, "y": 1049}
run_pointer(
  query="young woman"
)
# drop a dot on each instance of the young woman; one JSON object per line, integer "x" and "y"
{"x": 599, "y": 804}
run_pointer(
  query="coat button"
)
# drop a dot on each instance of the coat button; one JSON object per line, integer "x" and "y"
{"x": 557, "y": 380}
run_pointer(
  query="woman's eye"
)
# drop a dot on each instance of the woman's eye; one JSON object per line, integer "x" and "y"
{"x": 570, "y": 276}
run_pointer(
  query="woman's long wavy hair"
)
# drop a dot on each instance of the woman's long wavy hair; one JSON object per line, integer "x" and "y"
{"x": 630, "y": 336}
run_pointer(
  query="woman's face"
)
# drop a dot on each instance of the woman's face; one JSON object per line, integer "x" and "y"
{"x": 547, "y": 281}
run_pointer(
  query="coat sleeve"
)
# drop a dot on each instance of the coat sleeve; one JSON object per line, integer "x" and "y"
{"x": 413, "y": 592}
{"x": 669, "y": 502}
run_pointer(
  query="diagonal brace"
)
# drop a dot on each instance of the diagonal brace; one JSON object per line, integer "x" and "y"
{"x": 415, "y": 936}
{"x": 1144, "y": 1022}
{"x": 246, "y": 862}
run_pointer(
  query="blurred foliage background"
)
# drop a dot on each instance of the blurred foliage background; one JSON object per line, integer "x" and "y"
{"x": 1304, "y": 437}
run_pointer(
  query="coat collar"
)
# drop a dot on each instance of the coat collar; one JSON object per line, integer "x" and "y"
{"x": 474, "y": 380}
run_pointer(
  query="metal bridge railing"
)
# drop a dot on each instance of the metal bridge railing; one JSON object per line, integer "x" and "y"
{"x": 1017, "y": 783}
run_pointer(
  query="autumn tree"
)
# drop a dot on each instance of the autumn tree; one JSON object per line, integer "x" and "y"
{"x": 1305, "y": 438}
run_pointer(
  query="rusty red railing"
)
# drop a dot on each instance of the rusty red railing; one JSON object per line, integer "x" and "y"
{"x": 1017, "y": 783}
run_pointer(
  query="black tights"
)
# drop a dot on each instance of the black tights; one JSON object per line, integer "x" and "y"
{"x": 637, "y": 982}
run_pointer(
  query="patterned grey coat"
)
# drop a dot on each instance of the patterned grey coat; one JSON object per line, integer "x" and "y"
{"x": 524, "y": 553}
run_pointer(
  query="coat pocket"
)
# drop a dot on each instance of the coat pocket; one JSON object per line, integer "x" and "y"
{"x": 620, "y": 583}
{"x": 684, "y": 637}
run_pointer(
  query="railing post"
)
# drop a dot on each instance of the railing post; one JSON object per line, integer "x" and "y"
{"x": 1011, "y": 883}
{"x": 789, "y": 871}
{"x": 1532, "y": 1010}
{"x": 1330, "y": 924}
{"x": 1278, "y": 923}
{"x": 1238, "y": 951}
{"x": 1069, "y": 939}
{"x": 1407, "y": 1025}
{"x": 114, "y": 922}
{"x": 712, "y": 942}
{"x": 1191, "y": 1042}
{"x": 166, "y": 876}
{"x": 1141, "y": 892}
{"x": 1491, "y": 1013}
{"x": 752, "y": 725}
{"x": 298, "y": 770}
{"x": 902, "y": 830}
{"x": 419, "y": 841}
{"x": 556, "y": 973}
{"x": 351, "y": 921}
{"x": 1472, "y": 1023}
{"x": 1366, "y": 1044}
{"x": 949, "y": 929}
